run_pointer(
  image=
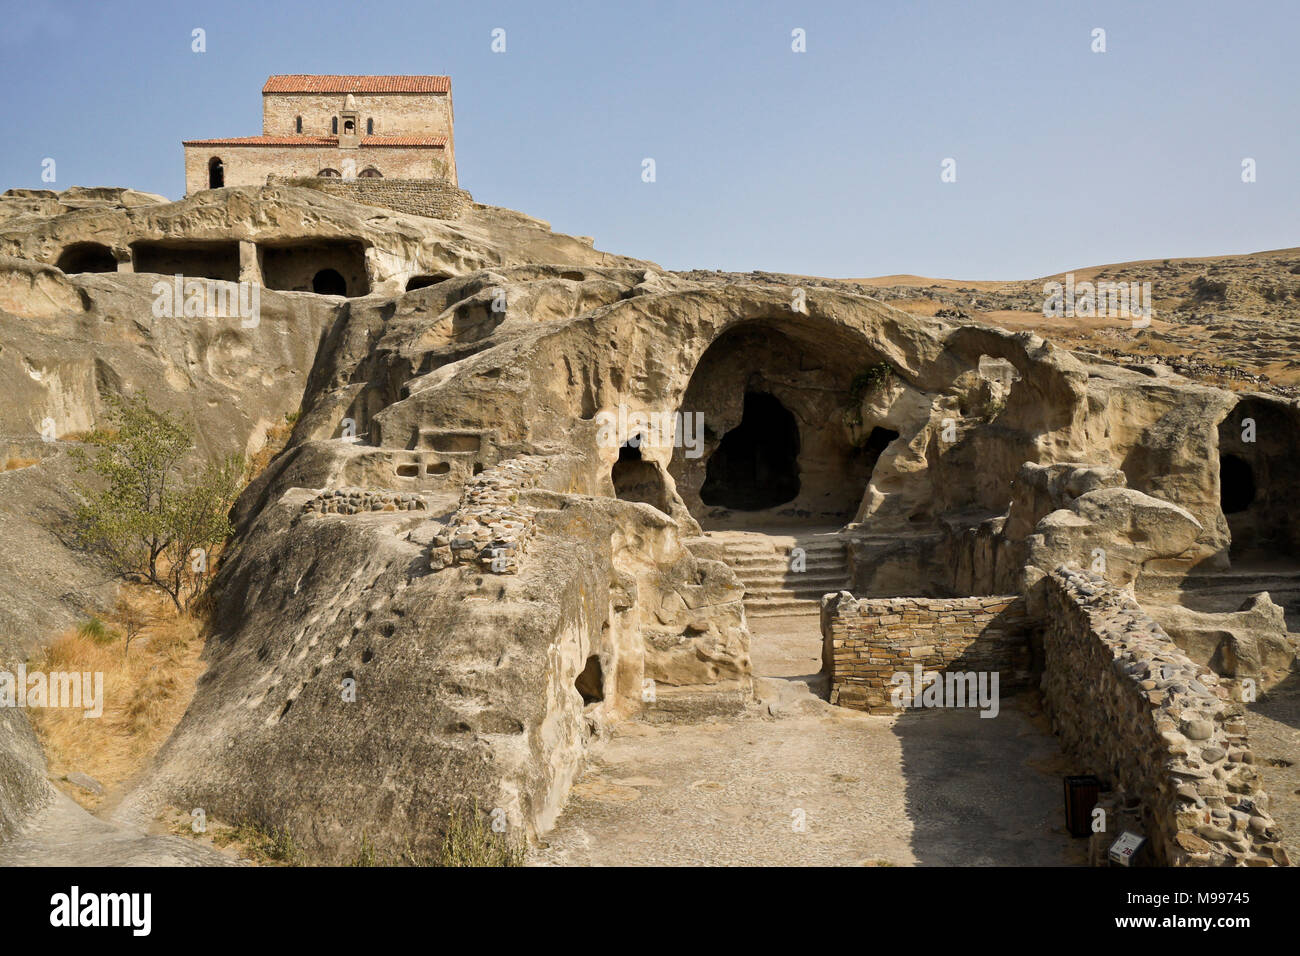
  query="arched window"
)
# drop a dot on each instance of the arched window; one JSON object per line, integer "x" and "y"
{"x": 370, "y": 126}
{"x": 349, "y": 127}
{"x": 370, "y": 173}
{"x": 329, "y": 173}
{"x": 297, "y": 124}
{"x": 216, "y": 173}
{"x": 334, "y": 126}
{"x": 329, "y": 282}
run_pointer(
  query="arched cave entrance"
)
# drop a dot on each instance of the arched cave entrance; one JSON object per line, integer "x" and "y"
{"x": 87, "y": 257}
{"x": 636, "y": 479}
{"x": 329, "y": 282}
{"x": 756, "y": 465}
{"x": 1236, "y": 484}
{"x": 1259, "y": 479}
{"x": 775, "y": 442}
{"x": 216, "y": 173}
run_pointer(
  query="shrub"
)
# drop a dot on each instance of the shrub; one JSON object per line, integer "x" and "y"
{"x": 147, "y": 514}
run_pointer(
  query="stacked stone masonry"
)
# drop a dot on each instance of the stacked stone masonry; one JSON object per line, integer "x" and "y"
{"x": 490, "y": 528}
{"x": 434, "y": 198}
{"x": 351, "y": 501}
{"x": 1163, "y": 732}
{"x": 866, "y": 642}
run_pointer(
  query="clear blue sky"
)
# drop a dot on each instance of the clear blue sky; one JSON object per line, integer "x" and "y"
{"x": 825, "y": 162}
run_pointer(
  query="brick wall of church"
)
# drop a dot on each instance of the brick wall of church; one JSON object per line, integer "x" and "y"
{"x": 251, "y": 165}
{"x": 395, "y": 114}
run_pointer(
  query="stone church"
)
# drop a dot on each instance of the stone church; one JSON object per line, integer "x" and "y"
{"x": 347, "y": 127}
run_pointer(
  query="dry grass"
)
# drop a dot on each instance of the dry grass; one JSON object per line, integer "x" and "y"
{"x": 146, "y": 690}
{"x": 13, "y": 463}
{"x": 276, "y": 438}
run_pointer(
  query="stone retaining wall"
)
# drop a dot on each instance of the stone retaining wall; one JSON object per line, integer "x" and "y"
{"x": 1162, "y": 731}
{"x": 866, "y": 642}
{"x": 434, "y": 198}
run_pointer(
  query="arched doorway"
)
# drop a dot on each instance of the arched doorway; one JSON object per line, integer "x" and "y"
{"x": 756, "y": 465}
{"x": 216, "y": 173}
{"x": 329, "y": 282}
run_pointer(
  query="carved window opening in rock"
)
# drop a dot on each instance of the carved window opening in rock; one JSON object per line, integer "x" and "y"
{"x": 869, "y": 451}
{"x": 192, "y": 258}
{"x": 408, "y": 471}
{"x": 424, "y": 281}
{"x": 370, "y": 173}
{"x": 636, "y": 479}
{"x": 329, "y": 282}
{"x": 756, "y": 465}
{"x": 1236, "y": 484}
{"x": 441, "y": 468}
{"x": 328, "y": 174}
{"x": 591, "y": 682}
{"x": 216, "y": 173}
{"x": 305, "y": 266}
{"x": 87, "y": 257}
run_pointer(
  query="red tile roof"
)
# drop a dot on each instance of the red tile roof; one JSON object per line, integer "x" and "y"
{"x": 265, "y": 141}
{"x": 436, "y": 141}
{"x": 337, "y": 83}
{"x": 426, "y": 142}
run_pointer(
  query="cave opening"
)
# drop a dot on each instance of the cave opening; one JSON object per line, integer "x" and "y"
{"x": 424, "y": 281}
{"x": 1236, "y": 484}
{"x": 329, "y": 282}
{"x": 869, "y": 452}
{"x": 756, "y": 464}
{"x": 87, "y": 257}
{"x": 591, "y": 682}
{"x": 636, "y": 479}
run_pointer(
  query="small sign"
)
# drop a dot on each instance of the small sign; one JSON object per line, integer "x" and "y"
{"x": 1125, "y": 848}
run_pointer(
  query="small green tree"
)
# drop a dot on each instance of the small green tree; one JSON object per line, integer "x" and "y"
{"x": 156, "y": 523}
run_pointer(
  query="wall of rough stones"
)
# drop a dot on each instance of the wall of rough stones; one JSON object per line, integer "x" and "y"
{"x": 491, "y": 528}
{"x": 434, "y": 198}
{"x": 866, "y": 642}
{"x": 352, "y": 501}
{"x": 1163, "y": 732}
{"x": 247, "y": 165}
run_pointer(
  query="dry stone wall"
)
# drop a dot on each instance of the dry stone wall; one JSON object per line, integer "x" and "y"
{"x": 351, "y": 501}
{"x": 491, "y": 528}
{"x": 1162, "y": 731}
{"x": 434, "y": 198}
{"x": 866, "y": 642}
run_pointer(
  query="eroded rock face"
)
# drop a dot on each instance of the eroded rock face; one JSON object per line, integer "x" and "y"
{"x": 457, "y": 573}
{"x": 1250, "y": 642}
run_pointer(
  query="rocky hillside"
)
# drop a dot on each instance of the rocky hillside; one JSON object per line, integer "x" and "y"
{"x": 1227, "y": 320}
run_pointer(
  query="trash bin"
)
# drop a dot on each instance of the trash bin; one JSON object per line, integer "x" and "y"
{"x": 1081, "y": 794}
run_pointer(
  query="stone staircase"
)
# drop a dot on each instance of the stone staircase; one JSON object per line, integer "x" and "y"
{"x": 763, "y": 562}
